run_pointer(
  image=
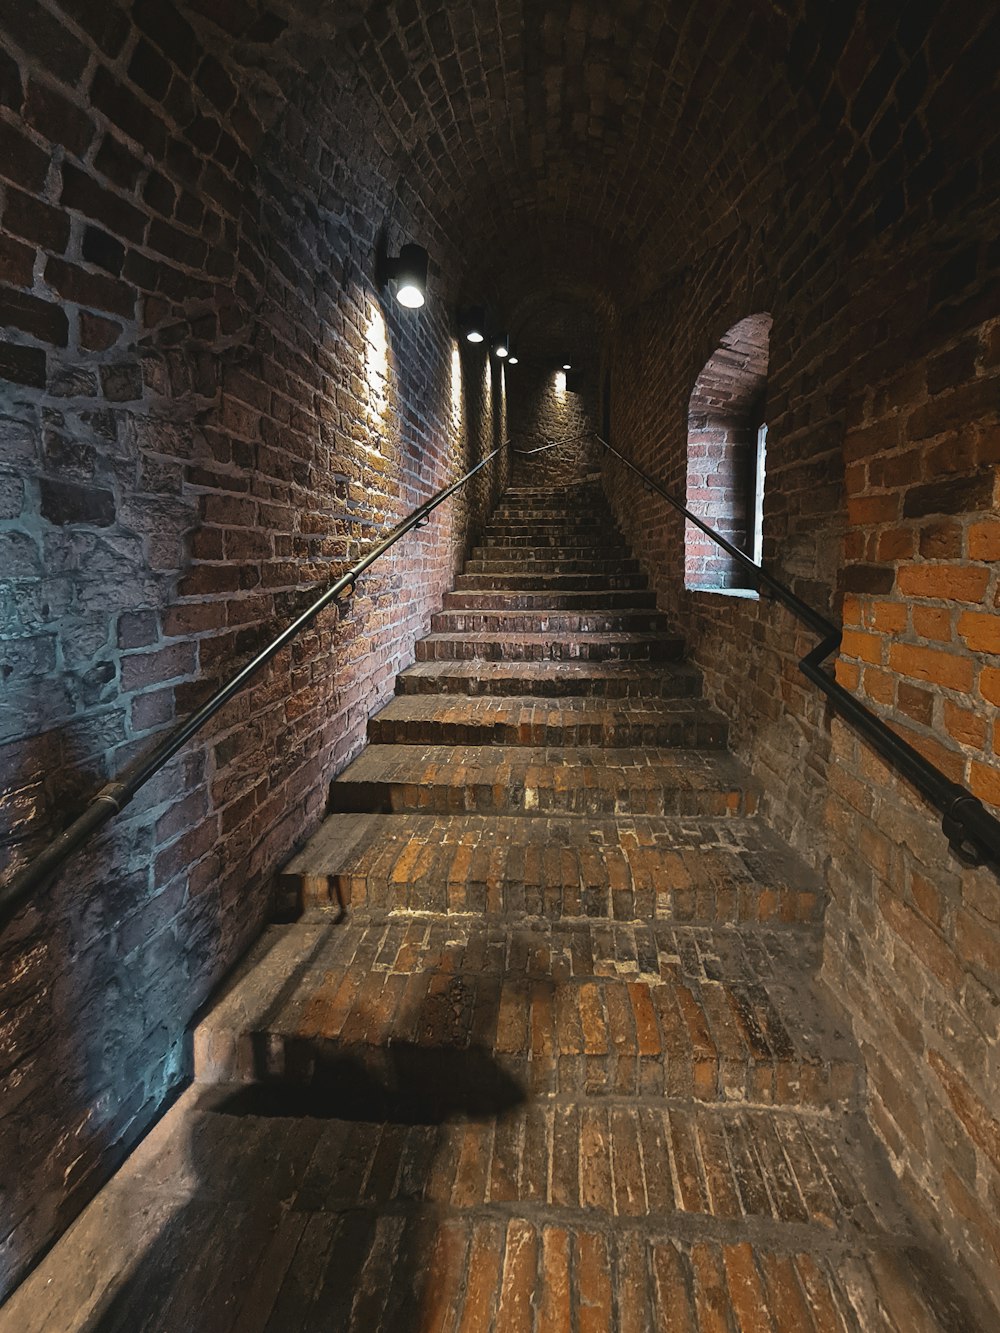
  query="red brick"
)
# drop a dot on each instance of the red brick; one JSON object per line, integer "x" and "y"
{"x": 984, "y": 541}
{"x": 21, "y": 160}
{"x": 930, "y": 622}
{"x": 867, "y": 647}
{"x": 17, "y": 264}
{"x": 980, "y": 631}
{"x": 967, "y": 726}
{"x": 90, "y": 289}
{"x": 57, "y": 119}
{"x": 947, "y": 582}
{"x": 931, "y": 665}
{"x": 35, "y": 221}
{"x": 984, "y": 781}
{"x": 42, "y": 319}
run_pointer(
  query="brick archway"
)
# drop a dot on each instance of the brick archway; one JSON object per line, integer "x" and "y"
{"x": 724, "y": 414}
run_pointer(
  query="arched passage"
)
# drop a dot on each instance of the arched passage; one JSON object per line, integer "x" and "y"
{"x": 725, "y": 455}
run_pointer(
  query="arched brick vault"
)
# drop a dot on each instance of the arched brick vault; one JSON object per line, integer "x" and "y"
{"x": 211, "y": 408}
{"x": 519, "y": 125}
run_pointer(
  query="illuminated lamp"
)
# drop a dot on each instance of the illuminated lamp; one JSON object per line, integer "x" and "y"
{"x": 409, "y": 272}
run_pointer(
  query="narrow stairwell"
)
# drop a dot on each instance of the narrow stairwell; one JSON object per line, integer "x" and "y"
{"x": 545, "y": 1050}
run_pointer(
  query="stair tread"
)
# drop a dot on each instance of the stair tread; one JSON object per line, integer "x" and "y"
{"x": 530, "y": 720}
{"x": 513, "y": 707}
{"x": 541, "y": 612}
{"x": 581, "y": 1009}
{"x": 550, "y": 636}
{"x": 545, "y": 669}
{"x": 643, "y": 1200}
{"x": 581, "y": 779}
{"x": 689, "y": 768}
{"x": 725, "y": 871}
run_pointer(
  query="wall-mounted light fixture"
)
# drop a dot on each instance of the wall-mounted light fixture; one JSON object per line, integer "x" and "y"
{"x": 512, "y": 361}
{"x": 501, "y": 346}
{"x": 567, "y": 366}
{"x": 408, "y": 271}
{"x": 472, "y": 323}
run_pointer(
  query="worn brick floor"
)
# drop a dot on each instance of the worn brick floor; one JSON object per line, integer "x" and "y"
{"x": 545, "y": 1050}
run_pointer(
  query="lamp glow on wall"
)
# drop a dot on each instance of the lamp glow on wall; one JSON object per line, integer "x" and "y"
{"x": 408, "y": 271}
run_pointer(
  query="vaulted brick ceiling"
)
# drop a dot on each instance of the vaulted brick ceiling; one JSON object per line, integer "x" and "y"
{"x": 518, "y": 117}
{"x": 569, "y": 147}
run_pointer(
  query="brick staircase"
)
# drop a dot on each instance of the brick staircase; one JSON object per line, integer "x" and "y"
{"x": 545, "y": 1050}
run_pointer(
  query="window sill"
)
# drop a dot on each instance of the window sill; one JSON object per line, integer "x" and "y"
{"x": 748, "y": 594}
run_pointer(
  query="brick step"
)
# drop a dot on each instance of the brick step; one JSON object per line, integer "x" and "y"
{"x": 666, "y": 1162}
{"x": 544, "y": 620}
{"x": 534, "y": 580}
{"x": 240, "y": 1212}
{"x": 581, "y": 780}
{"x": 535, "y": 537}
{"x": 551, "y": 513}
{"x": 712, "y": 872}
{"x": 566, "y": 549}
{"x": 555, "y": 497}
{"x": 547, "y": 490}
{"x": 564, "y": 535}
{"x": 575, "y": 1011}
{"x": 523, "y": 600}
{"x": 494, "y": 645}
{"x": 553, "y": 680}
{"x": 552, "y": 560}
{"x": 449, "y": 720}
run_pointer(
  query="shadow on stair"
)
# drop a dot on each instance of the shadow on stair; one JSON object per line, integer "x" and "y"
{"x": 329, "y": 1175}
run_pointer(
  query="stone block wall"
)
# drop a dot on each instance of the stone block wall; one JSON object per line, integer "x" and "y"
{"x": 207, "y": 410}
{"x": 877, "y": 259}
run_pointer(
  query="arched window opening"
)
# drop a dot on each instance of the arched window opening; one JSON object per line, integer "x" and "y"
{"x": 727, "y": 438}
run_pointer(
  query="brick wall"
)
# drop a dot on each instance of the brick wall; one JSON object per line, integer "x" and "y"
{"x": 206, "y": 410}
{"x": 877, "y": 261}
{"x": 543, "y": 409}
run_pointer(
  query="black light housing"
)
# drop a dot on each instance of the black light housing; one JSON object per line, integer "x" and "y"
{"x": 472, "y": 323}
{"x": 501, "y": 346}
{"x": 409, "y": 272}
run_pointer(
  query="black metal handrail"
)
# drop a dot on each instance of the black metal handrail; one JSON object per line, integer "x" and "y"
{"x": 116, "y": 794}
{"x": 973, "y": 833}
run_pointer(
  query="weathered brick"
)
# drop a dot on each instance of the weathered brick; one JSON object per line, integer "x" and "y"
{"x": 57, "y": 119}
{"x": 21, "y": 160}
{"x": 955, "y": 496}
{"x": 11, "y": 87}
{"x": 946, "y": 582}
{"x": 44, "y": 37}
{"x": 143, "y": 669}
{"x": 127, "y": 112}
{"x": 35, "y": 221}
{"x": 17, "y": 262}
{"x": 23, "y": 365}
{"x": 89, "y": 289}
{"x": 103, "y": 250}
{"x": 932, "y": 665}
{"x": 81, "y": 192}
{"x": 984, "y": 541}
{"x": 42, "y": 319}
